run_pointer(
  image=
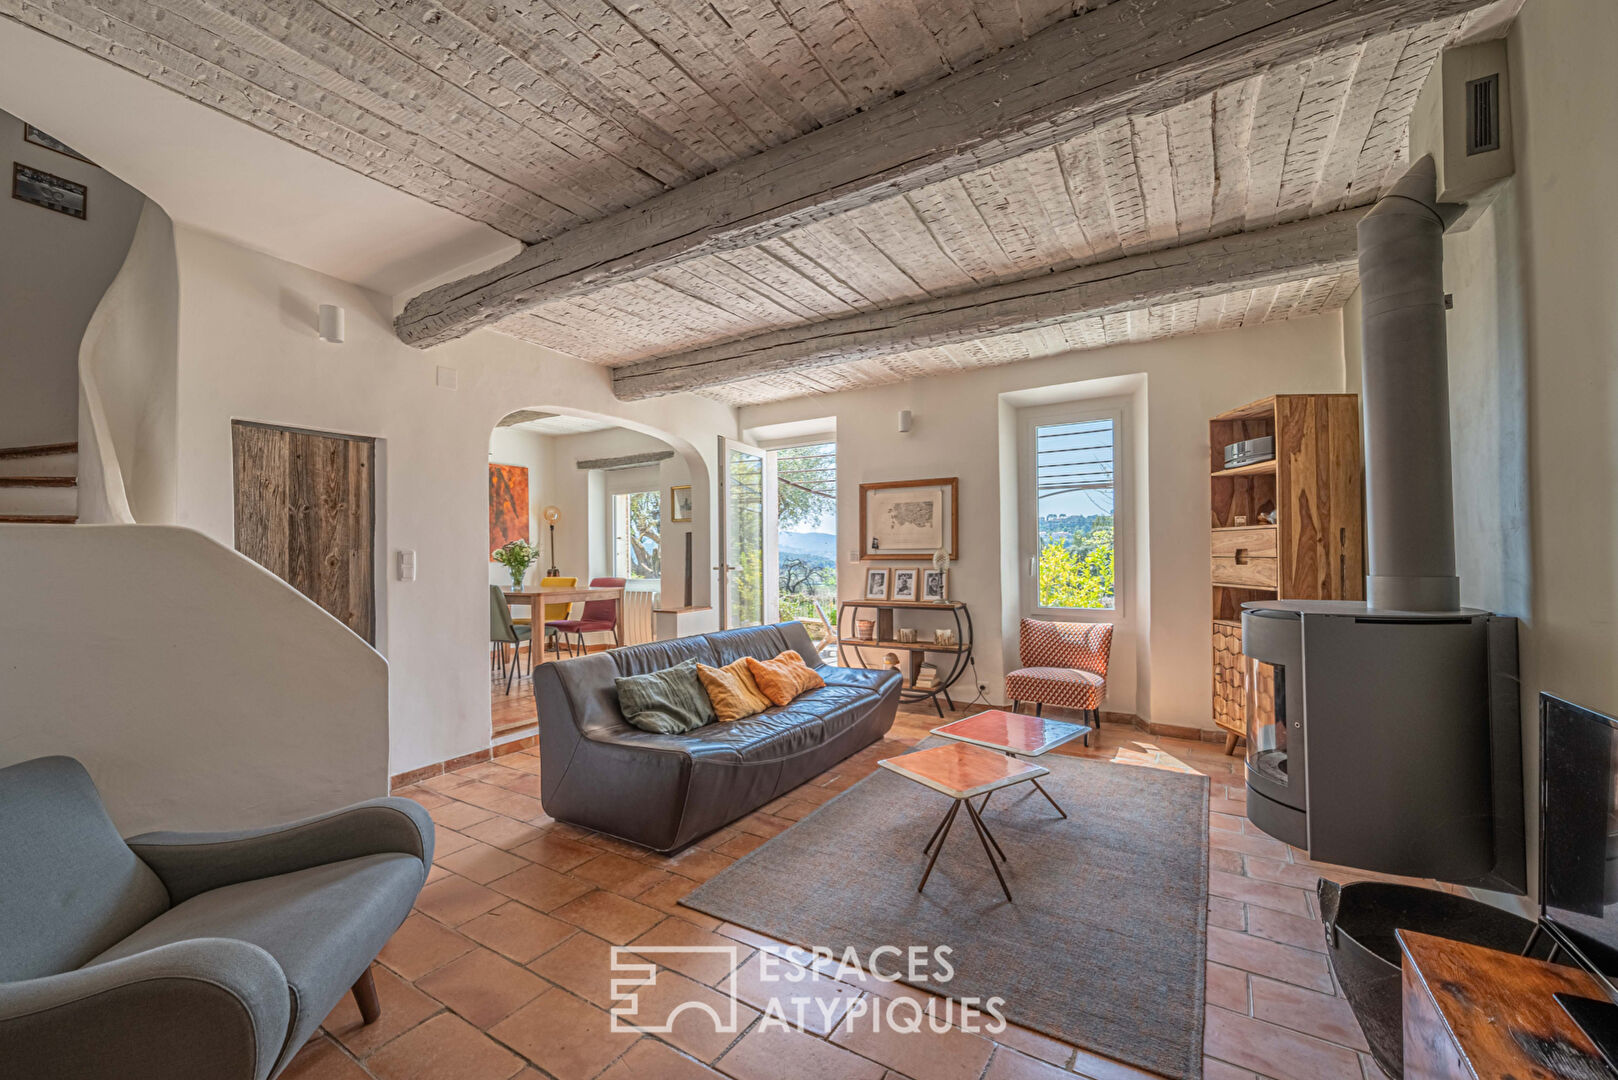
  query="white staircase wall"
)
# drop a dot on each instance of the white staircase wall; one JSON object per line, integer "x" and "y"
{"x": 40, "y": 465}
{"x": 201, "y": 691}
{"x": 63, "y": 501}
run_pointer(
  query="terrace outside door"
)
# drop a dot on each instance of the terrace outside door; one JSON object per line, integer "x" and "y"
{"x": 747, "y": 535}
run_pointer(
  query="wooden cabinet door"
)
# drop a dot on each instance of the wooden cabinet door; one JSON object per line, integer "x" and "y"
{"x": 304, "y": 512}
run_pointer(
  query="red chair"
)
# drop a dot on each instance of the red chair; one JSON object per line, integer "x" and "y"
{"x": 1064, "y": 664}
{"x": 599, "y": 616}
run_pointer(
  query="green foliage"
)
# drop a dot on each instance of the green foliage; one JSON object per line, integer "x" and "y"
{"x": 1077, "y": 572}
{"x": 517, "y": 557}
{"x": 808, "y": 483}
{"x": 644, "y": 534}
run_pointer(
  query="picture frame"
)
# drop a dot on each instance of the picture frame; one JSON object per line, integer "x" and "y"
{"x": 877, "y": 582}
{"x": 680, "y": 504}
{"x": 508, "y": 505}
{"x": 49, "y": 191}
{"x": 910, "y": 519}
{"x": 32, "y": 134}
{"x": 934, "y": 586}
{"x": 906, "y": 583}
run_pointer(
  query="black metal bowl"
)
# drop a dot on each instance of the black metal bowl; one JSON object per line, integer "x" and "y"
{"x": 1360, "y": 919}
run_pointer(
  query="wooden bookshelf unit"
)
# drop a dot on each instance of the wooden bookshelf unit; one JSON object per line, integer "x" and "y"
{"x": 1315, "y": 549}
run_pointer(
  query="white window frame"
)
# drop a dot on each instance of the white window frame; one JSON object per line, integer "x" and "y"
{"x": 1123, "y": 520}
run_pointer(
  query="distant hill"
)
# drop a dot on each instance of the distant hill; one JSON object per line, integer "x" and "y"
{"x": 809, "y": 543}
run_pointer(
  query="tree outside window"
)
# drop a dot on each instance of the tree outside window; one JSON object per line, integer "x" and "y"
{"x": 637, "y": 522}
{"x": 1074, "y": 499}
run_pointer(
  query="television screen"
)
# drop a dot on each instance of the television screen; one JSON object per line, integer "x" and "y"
{"x": 1579, "y": 828}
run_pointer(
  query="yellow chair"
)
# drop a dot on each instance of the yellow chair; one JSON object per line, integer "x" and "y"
{"x": 556, "y": 611}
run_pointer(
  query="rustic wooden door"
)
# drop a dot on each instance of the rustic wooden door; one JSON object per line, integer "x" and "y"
{"x": 304, "y": 511}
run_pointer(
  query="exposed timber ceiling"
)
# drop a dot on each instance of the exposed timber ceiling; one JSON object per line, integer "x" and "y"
{"x": 553, "y": 122}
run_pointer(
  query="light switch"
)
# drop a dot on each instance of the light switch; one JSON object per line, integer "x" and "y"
{"x": 407, "y": 565}
{"x": 448, "y": 378}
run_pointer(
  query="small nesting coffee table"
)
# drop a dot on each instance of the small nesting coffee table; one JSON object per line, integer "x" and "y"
{"x": 964, "y": 772}
{"x": 1015, "y": 735}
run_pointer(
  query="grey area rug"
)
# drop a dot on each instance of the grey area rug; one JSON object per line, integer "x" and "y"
{"x": 1104, "y": 946}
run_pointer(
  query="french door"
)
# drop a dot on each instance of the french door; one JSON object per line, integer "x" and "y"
{"x": 748, "y": 527}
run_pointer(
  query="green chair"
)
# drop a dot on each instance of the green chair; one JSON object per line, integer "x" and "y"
{"x": 503, "y": 632}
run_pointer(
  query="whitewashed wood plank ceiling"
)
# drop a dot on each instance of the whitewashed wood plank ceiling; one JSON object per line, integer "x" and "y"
{"x": 535, "y": 117}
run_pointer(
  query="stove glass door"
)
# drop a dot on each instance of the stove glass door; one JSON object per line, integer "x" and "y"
{"x": 1267, "y": 720}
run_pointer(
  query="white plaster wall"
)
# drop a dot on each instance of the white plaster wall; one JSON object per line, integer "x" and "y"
{"x": 248, "y": 350}
{"x": 530, "y": 449}
{"x": 53, "y": 272}
{"x": 128, "y": 370}
{"x": 201, "y": 691}
{"x": 957, "y": 432}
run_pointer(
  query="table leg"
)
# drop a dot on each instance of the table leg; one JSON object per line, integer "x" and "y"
{"x": 1048, "y": 798}
{"x": 940, "y": 835}
{"x": 985, "y": 839}
{"x": 979, "y": 819}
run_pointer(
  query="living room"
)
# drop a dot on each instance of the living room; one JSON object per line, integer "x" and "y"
{"x": 326, "y": 283}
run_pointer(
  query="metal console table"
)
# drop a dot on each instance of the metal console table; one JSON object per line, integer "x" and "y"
{"x": 960, "y": 653}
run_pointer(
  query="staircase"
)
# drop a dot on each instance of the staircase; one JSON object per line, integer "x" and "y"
{"x": 39, "y": 484}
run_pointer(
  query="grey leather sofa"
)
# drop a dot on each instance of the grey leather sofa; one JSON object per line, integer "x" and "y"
{"x": 664, "y": 791}
{"x": 174, "y": 956}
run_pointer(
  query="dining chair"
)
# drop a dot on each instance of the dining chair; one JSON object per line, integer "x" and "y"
{"x": 554, "y": 613}
{"x": 599, "y": 615}
{"x": 503, "y": 632}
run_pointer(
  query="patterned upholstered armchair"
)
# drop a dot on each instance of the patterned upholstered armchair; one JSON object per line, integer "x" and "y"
{"x": 1063, "y": 664}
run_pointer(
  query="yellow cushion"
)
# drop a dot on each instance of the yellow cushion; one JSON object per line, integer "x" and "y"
{"x": 732, "y": 691}
{"x": 557, "y": 612}
{"x": 783, "y": 678}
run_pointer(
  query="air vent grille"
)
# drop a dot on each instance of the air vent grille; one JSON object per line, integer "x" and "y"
{"x": 1483, "y": 115}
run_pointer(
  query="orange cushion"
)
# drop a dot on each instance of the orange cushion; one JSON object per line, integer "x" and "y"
{"x": 783, "y": 678}
{"x": 732, "y": 691}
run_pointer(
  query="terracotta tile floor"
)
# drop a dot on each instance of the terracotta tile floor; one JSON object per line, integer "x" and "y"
{"x": 502, "y": 970}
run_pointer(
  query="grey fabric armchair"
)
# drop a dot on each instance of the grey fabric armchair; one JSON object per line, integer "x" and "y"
{"x": 211, "y": 956}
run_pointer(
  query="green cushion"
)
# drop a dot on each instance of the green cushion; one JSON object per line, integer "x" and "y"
{"x": 669, "y": 702}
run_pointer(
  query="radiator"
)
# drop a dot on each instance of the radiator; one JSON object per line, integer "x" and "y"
{"x": 637, "y": 624}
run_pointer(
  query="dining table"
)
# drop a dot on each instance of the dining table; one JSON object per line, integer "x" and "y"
{"x": 538, "y": 597}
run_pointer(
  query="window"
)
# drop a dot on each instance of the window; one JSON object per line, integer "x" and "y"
{"x": 637, "y": 524}
{"x": 1069, "y": 505}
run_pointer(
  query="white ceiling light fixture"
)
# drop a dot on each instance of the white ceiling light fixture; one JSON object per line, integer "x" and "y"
{"x": 332, "y": 323}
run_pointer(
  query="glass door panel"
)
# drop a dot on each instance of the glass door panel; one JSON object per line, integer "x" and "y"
{"x": 747, "y": 541}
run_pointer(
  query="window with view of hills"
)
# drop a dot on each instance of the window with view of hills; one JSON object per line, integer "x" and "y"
{"x": 1073, "y": 495}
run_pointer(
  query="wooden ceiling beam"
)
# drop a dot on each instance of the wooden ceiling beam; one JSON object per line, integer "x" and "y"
{"x": 1303, "y": 249}
{"x": 1131, "y": 57}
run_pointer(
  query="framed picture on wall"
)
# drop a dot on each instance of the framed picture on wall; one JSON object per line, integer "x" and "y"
{"x": 906, "y": 580}
{"x": 909, "y": 519}
{"x": 680, "y": 503}
{"x": 876, "y": 583}
{"x": 32, "y": 134}
{"x": 508, "y": 505}
{"x": 934, "y": 586}
{"x": 49, "y": 191}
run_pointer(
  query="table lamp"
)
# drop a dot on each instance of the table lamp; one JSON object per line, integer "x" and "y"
{"x": 552, "y": 515}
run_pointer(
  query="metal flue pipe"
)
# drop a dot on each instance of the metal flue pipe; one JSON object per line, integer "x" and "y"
{"x": 1410, "y": 515}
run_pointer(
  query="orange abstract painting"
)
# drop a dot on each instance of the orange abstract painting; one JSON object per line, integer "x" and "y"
{"x": 508, "y": 505}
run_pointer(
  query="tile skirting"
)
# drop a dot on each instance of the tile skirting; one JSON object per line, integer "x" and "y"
{"x": 488, "y": 753}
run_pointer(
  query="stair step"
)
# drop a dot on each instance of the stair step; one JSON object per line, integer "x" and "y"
{"x": 38, "y": 519}
{"x": 43, "y": 450}
{"x": 39, "y": 481}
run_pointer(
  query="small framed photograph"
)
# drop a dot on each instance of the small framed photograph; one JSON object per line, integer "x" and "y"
{"x": 934, "y": 586}
{"x": 680, "y": 503}
{"x": 905, "y": 582}
{"x": 32, "y": 134}
{"x": 49, "y": 190}
{"x": 876, "y": 583}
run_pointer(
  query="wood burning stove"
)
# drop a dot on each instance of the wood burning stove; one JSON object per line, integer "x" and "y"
{"x": 1276, "y": 742}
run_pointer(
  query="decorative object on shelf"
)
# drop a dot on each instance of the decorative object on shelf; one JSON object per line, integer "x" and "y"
{"x": 926, "y": 677}
{"x": 905, "y": 582}
{"x": 934, "y": 586}
{"x": 49, "y": 191}
{"x": 943, "y": 636}
{"x": 905, "y": 635}
{"x": 1250, "y": 451}
{"x": 32, "y": 134}
{"x": 508, "y": 506}
{"x": 865, "y": 629}
{"x": 890, "y": 661}
{"x": 680, "y": 502}
{"x": 909, "y": 519}
{"x": 552, "y": 515}
{"x": 517, "y": 557}
{"x": 1319, "y": 555}
{"x": 876, "y": 583}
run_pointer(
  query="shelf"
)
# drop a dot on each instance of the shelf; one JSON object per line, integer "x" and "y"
{"x": 1255, "y": 469}
{"x": 908, "y": 646}
{"x": 1248, "y": 588}
{"x": 1235, "y": 623}
{"x": 948, "y": 605}
{"x": 1242, "y": 528}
